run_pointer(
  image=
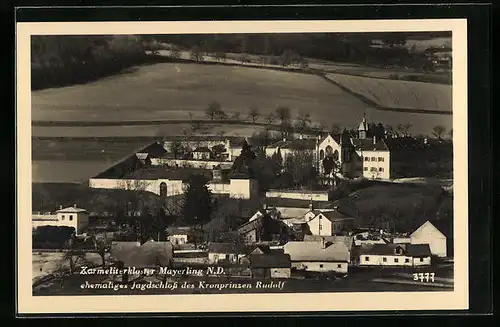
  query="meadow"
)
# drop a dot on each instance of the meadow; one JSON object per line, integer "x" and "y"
{"x": 175, "y": 93}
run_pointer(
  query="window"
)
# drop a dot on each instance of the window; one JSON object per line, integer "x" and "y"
{"x": 367, "y": 159}
{"x": 381, "y": 169}
{"x": 384, "y": 259}
{"x": 320, "y": 227}
{"x": 373, "y": 169}
{"x": 321, "y": 265}
{"x": 62, "y": 217}
{"x": 70, "y": 217}
{"x": 367, "y": 258}
{"x": 396, "y": 260}
{"x": 374, "y": 159}
{"x": 365, "y": 168}
{"x": 381, "y": 159}
{"x": 407, "y": 260}
{"x": 339, "y": 265}
{"x": 421, "y": 259}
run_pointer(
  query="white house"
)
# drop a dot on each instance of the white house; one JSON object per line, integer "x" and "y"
{"x": 320, "y": 256}
{"x": 202, "y": 153}
{"x": 328, "y": 223}
{"x": 429, "y": 234}
{"x": 409, "y": 255}
{"x": 71, "y": 217}
{"x": 228, "y": 252}
{"x": 178, "y": 235}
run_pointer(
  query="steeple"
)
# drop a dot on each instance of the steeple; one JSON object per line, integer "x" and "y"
{"x": 363, "y": 128}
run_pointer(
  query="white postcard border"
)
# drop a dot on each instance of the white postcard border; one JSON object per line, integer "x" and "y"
{"x": 354, "y": 301}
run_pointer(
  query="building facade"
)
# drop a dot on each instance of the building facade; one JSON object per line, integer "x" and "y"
{"x": 70, "y": 217}
{"x": 429, "y": 234}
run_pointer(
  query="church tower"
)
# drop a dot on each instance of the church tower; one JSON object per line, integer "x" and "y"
{"x": 363, "y": 129}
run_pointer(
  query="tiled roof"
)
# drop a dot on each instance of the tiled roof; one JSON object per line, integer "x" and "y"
{"x": 202, "y": 149}
{"x": 313, "y": 251}
{"x": 380, "y": 249}
{"x": 418, "y": 250}
{"x": 348, "y": 241}
{"x": 270, "y": 260}
{"x": 334, "y": 215}
{"x": 300, "y": 144}
{"x": 367, "y": 144}
{"x": 71, "y": 210}
{"x": 160, "y": 172}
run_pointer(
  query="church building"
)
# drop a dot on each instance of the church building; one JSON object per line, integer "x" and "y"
{"x": 355, "y": 156}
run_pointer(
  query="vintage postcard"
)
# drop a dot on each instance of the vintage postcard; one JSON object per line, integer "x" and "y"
{"x": 245, "y": 166}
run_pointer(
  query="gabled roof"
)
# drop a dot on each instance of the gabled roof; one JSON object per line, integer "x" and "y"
{"x": 270, "y": 260}
{"x": 313, "y": 251}
{"x": 348, "y": 241}
{"x": 418, "y": 250}
{"x": 427, "y": 224}
{"x": 73, "y": 209}
{"x": 202, "y": 149}
{"x": 368, "y": 145}
{"x": 380, "y": 249}
{"x": 334, "y": 215}
{"x": 299, "y": 144}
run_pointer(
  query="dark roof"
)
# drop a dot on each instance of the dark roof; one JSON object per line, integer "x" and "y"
{"x": 380, "y": 249}
{"x": 264, "y": 222}
{"x": 412, "y": 250}
{"x": 202, "y": 149}
{"x": 299, "y": 144}
{"x": 270, "y": 260}
{"x": 335, "y": 215}
{"x": 155, "y": 150}
{"x": 232, "y": 139}
{"x": 149, "y": 254}
{"x": 367, "y": 144}
{"x": 161, "y": 172}
{"x": 295, "y": 203}
{"x": 178, "y": 230}
{"x": 418, "y": 250}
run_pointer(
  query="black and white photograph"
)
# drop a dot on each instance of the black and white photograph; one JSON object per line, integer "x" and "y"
{"x": 229, "y": 161}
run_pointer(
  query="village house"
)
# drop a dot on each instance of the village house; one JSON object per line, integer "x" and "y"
{"x": 230, "y": 145}
{"x": 226, "y": 252}
{"x": 286, "y": 147}
{"x": 409, "y": 255}
{"x": 321, "y": 256}
{"x": 70, "y": 217}
{"x": 369, "y": 237}
{"x": 263, "y": 228}
{"x": 270, "y": 265}
{"x": 328, "y": 223}
{"x": 202, "y": 153}
{"x": 429, "y": 234}
{"x": 348, "y": 241}
{"x": 178, "y": 235}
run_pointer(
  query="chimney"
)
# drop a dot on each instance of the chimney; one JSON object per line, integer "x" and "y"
{"x": 336, "y": 208}
{"x": 74, "y": 205}
{"x": 311, "y": 205}
{"x": 60, "y": 207}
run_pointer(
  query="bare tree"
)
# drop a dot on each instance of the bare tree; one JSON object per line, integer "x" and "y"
{"x": 283, "y": 113}
{"x": 197, "y": 54}
{"x": 303, "y": 121}
{"x": 253, "y": 113}
{"x": 438, "y": 131}
{"x": 175, "y": 54}
{"x": 213, "y": 109}
{"x": 271, "y": 118}
{"x": 102, "y": 245}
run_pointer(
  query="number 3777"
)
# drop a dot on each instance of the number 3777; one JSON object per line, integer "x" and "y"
{"x": 424, "y": 277}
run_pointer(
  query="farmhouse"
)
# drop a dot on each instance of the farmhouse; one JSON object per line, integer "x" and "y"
{"x": 202, "y": 153}
{"x": 270, "y": 265}
{"x": 264, "y": 228}
{"x": 409, "y": 255}
{"x": 328, "y": 223}
{"x": 225, "y": 252}
{"x": 348, "y": 241}
{"x": 178, "y": 235}
{"x": 71, "y": 217}
{"x": 321, "y": 256}
{"x": 429, "y": 234}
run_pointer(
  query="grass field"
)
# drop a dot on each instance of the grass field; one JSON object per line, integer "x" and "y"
{"x": 398, "y": 94}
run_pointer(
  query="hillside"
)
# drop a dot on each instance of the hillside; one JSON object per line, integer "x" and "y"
{"x": 400, "y": 206}
{"x": 47, "y": 197}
